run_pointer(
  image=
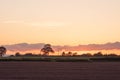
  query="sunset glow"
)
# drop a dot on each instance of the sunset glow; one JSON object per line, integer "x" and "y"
{"x": 59, "y": 22}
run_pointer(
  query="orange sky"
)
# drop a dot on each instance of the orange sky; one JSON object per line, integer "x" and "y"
{"x": 59, "y": 53}
{"x": 59, "y": 22}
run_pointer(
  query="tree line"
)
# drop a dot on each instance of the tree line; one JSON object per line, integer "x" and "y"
{"x": 48, "y": 49}
{"x": 45, "y": 51}
{"x": 98, "y": 54}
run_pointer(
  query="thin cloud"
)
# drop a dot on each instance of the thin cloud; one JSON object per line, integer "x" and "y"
{"x": 12, "y": 21}
{"x": 35, "y": 23}
{"x": 47, "y": 24}
{"x": 38, "y": 46}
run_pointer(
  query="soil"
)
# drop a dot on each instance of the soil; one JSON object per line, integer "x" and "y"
{"x": 59, "y": 70}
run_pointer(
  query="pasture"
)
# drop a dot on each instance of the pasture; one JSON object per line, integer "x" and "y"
{"x": 60, "y": 58}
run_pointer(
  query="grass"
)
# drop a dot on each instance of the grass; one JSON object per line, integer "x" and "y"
{"x": 60, "y": 59}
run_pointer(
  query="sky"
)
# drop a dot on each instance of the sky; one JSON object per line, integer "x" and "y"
{"x": 59, "y": 22}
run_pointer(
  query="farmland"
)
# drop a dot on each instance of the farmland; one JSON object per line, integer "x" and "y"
{"x": 61, "y": 58}
{"x": 59, "y": 70}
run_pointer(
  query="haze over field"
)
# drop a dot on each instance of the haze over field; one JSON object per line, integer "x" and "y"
{"x": 35, "y": 48}
{"x": 60, "y": 22}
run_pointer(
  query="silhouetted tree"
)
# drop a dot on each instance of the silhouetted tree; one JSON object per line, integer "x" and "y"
{"x": 63, "y": 54}
{"x": 98, "y": 54}
{"x": 11, "y": 55}
{"x": 28, "y": 54}
{"x": 87, "y": 55}
{"x": 47, "y": 49}
{"x": 112, "y": 54}
{"x": 75, "y": 54}
{"x": 69, "y": 54}
{"x": 2, "y": 51}
{"x": 17, "y": 54}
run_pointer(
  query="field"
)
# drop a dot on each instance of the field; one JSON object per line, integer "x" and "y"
{"x": 61, "y": 58}
{"x": 59, "y": 70}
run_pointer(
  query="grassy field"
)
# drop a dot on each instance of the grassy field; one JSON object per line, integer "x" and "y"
{"x": 60, "y": 59}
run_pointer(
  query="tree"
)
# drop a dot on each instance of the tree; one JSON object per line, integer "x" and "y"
{"x": 63, "y": 54}
{"x": 75, "y": 54}
{"x": 98, "y": 54}
{"x": 47, "y": 49}
{"x": 69, "y": 54}
{"x": 17, "y": 54}
{"x": 28, "y": 54}
{"x": 87, "y": 55}
{"x": 112, "y": 55}
{"x": 2, "y": 51}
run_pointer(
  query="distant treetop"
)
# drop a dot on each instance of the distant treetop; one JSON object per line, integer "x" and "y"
{"x": 2, "y": 51}
{"x": 47, "y": 49}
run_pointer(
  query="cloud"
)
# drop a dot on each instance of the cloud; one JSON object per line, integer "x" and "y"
{"x": 24, "y": 46}
{"x": 36, "y": 23}
{"x": 38, "y": 46}
{"x": 47, "y": 24}
{"x": 12, "y": 21}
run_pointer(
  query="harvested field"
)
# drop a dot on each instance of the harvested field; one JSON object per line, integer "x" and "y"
{"x": 59, "y": 70}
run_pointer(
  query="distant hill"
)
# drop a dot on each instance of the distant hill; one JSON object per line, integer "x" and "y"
{"x": 38, "y": 46}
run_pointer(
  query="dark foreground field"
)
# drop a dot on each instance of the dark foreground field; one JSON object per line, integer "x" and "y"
{"x": 59, "y": 70}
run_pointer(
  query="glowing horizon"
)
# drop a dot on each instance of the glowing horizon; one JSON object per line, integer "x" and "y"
{"x": 108, "y": 48}
{"x": 60, "y": 53}
{"x": 59, "y": 22}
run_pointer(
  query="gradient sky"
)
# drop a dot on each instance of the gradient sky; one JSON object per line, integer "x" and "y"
{"x": 59, "y": 22}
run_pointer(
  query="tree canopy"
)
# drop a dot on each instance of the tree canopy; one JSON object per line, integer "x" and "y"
{"x": 47, "y": 49}
{"x": 2, "y": 51}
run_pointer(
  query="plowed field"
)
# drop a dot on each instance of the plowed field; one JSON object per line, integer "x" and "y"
{"x": 59, "y": 70}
